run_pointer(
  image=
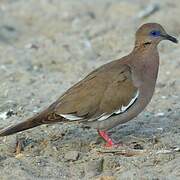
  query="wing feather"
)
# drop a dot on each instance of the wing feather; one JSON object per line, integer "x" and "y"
{"x": 99, "y": 95}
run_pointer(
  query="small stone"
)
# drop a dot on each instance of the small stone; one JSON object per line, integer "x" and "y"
{"x": 164, "y": 97}
{"x": 71, "y": 155}
{"x": 3, "y": 115}
{"x": 169, "y": 110}
{"x": 160, "y": 129}
{"x": 138, "y": 146}
{"x": 160, "y": 114}
{"x": 10, "y": 113}
{"x": 31, "y": 46}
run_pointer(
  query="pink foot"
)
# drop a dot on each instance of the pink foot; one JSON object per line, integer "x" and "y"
{"x": 109, "y": 141}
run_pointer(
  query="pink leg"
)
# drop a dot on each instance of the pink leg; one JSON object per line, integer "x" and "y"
{"x": 109, "y": 141}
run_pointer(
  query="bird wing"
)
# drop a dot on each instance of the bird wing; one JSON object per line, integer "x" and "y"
{"x": 106, "y": 91}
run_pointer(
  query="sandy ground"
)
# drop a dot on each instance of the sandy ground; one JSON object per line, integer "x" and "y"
{"x": 48, "y": 45}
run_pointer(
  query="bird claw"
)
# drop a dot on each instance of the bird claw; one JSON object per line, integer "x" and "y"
{"x": 109, "y": 142}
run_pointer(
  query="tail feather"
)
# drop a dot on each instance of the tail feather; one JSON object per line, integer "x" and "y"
{"x": 28, "y": 124}
{"x": 42, "y": 118}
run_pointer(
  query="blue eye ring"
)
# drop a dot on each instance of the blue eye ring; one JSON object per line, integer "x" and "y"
{"x": 155, "y": 33}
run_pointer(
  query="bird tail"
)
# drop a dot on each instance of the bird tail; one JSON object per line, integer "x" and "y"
{"x": 37, "y": 120}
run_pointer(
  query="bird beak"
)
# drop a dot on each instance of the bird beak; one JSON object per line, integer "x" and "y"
{"x": 170, "y": 38}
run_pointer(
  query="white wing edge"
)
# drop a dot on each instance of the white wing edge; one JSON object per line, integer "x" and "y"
{"x": 104, "y": 116}
{"x": 122, "y": 109}
{"x": 71, "y": 117}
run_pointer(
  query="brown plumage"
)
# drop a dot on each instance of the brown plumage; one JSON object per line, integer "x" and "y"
{"x": 93, "y": 96}
{"x": 112, "y": 94}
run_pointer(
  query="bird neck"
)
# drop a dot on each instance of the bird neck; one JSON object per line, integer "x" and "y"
{"x": 144, "y": 46}
{"x": 145, "y": 58}
{"x": 145, "y": 54}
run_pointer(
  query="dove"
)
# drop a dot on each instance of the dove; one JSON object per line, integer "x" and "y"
{"x": 112, "y": 94}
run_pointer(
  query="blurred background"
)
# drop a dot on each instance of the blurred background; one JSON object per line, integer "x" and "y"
{"x": 48, "y": 45}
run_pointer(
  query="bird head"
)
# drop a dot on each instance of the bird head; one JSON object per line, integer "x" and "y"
{"x": 152, "y": 33}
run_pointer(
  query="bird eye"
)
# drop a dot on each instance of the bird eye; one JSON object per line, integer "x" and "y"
{"x": 155, "y": 33}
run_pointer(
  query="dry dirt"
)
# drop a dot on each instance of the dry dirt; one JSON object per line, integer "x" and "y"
{"x": 48, "y": 45}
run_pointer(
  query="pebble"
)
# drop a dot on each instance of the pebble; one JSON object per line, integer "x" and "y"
{"x": 160, "y": 114}
{"x": 3, "y": 115}
{"x": 72, "y": 155}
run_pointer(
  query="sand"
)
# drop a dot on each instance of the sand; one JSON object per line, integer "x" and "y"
{"x": 48, "y": 45}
